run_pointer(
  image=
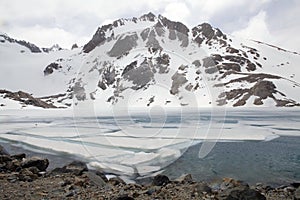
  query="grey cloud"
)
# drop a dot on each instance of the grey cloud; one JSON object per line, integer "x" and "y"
{"x": 81, "y": 19}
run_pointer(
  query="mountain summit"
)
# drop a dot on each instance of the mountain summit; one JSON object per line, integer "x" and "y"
{"x": 153, "y": 61}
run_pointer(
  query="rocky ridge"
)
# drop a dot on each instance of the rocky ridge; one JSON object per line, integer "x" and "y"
{"x": 26, "y": 99}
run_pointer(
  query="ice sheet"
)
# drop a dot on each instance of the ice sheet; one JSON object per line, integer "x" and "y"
{"x": 140, "y": 143}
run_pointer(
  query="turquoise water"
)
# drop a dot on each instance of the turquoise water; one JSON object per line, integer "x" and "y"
{"x": 274, "y": 162}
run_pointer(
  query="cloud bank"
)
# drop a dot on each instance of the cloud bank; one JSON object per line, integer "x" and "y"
{"x": 73, "y": 21}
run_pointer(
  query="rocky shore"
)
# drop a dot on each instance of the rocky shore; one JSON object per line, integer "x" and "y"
{"x": 23, "y": 177}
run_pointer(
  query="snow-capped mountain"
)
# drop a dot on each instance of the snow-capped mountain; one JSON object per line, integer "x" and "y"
{"x": 151, "y": 60}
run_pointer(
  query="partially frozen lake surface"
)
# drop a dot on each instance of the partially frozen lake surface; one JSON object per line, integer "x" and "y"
{"x": 246, "y": 144}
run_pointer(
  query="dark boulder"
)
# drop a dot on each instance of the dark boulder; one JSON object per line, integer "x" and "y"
{"x": 243, "y": 193}
{"x": 18, "y": 156}
{"x": 295, "y": 184}
{"x": 74, "y": 46}
{"x": 75, "y": 167}
{"x": 160, "y": 180}
{"x": 37, "y": 162}
{"x": 50, "y": 68}
{"x": 3, "y": 151}
{"x": 116, "y": 181}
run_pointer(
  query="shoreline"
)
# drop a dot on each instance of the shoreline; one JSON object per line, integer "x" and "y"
{"x": 26, "y": 177}
{"x": 200, "y": 169}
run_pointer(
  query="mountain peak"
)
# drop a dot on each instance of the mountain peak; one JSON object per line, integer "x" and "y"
{"x": 54, "y": 47}
{"x": 159, "y": 22}
{"x": 150, "y": 17}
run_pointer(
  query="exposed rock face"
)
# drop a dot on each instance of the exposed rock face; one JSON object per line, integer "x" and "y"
{"x": 148, "y": 17}
{"x": 178, "y": 81}
{"x": 163, "y": 63}
{"x": 51, "y": 67}
{"x": 140, "y": 76}
{"x": 152, "y": 42}
{"x": 206, "y": 33}
{"x": 98, "y": 38}
{"x": 79, "y": 91}
{"x": 107, "y": 76}
{"x": 74, "y": 46}
{"x": 263, "y": 89}
{"x": 177, "y": 30}
{"x": 123, "y": 45}
{"x": 26, "y": 99}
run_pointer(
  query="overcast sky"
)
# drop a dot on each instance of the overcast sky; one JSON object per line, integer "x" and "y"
{"x": 45, "y": 22}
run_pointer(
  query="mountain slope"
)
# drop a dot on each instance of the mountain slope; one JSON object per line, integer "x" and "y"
{"x": 152, "y": 61}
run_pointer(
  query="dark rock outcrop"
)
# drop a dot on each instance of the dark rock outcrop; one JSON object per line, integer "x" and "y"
{"x": 262, "y": 89}
{"x": 32, "y": 47}
{"x": 178, "y": 80}
{"x": 75, "y": 167}
{"x": 160, "y": 180}
{"x": 3, "y": 151}
{"x": 79, "y": 91}
{"x": 26, "y": 99}
{"x": 206, "y": 33}
{"x": 50, "y": 68}
{"x": 98, "y": 38}
{"x": 148, "y": 17}
{"x": 141, "y": 75}
{"x": 40, "y": 163}
{"x": 123, "y": 45}
{"x": 74, "y": 46}
{"x": 177, "y": 30}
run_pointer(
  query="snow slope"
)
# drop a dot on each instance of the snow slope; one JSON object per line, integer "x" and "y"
{"x": 152, "y": 61}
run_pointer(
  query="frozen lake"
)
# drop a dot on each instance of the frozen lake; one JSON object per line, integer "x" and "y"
{"x": 146, "y": 143}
